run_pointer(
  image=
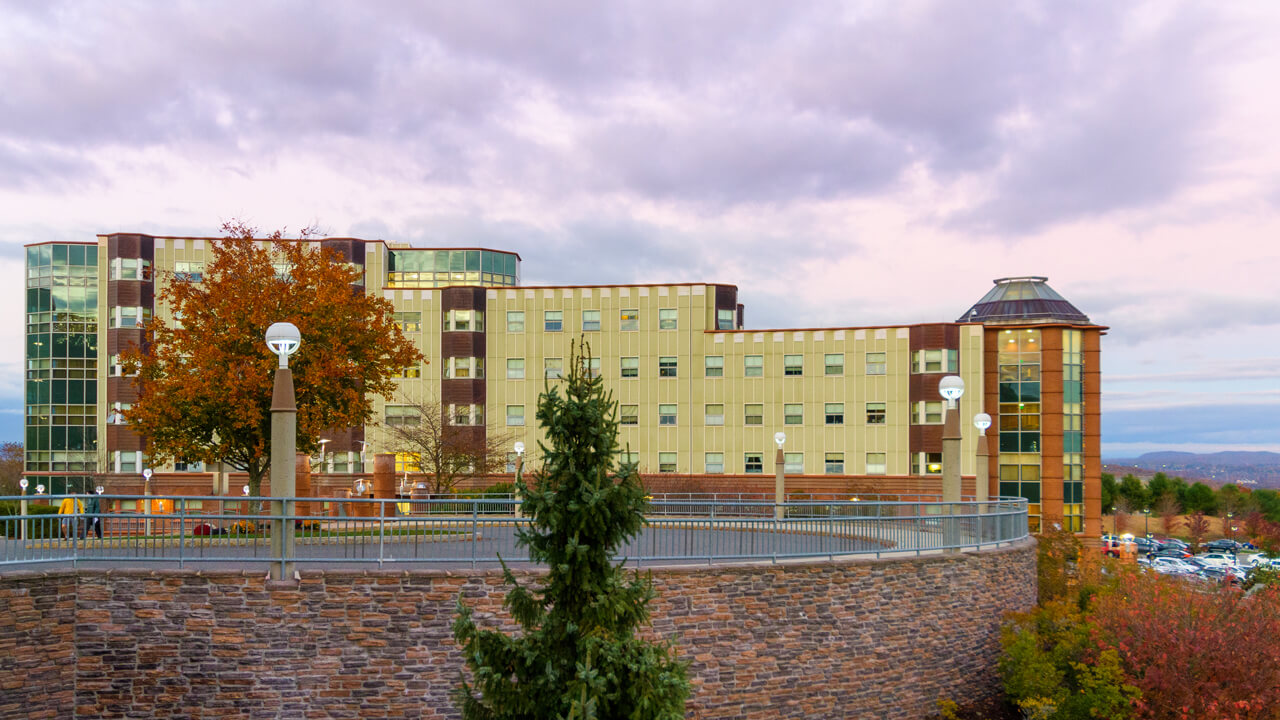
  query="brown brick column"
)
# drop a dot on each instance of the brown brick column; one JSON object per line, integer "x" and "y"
{"x": 1092, "y": 377}
{"x": 1050, "y": 427}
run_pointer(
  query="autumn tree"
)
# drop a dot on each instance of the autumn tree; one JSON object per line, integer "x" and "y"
{"x": 577, "y": 654}
{"x": 447, "y": 451}
{"x": 1197, "y": 529}
{"x": 1167, "y": 508}
{"x": 204, "y": 380}
{"x": 11, "y": 466}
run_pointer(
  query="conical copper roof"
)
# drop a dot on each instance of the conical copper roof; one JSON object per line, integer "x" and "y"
{"x": 1023, "y": 300}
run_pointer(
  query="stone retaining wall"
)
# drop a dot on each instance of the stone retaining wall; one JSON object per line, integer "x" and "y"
{"x": 851, "y": 638}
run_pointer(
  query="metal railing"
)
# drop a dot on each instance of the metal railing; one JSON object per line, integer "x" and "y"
{"x": 220, "y": 531}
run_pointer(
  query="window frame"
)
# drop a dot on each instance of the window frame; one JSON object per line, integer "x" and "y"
{"x": 552, "y": 324}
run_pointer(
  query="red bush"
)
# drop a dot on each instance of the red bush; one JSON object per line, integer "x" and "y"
{"x": 1195, "y": 653}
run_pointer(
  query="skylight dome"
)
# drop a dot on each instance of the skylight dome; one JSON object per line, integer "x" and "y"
{"x": 1019, "y": 300}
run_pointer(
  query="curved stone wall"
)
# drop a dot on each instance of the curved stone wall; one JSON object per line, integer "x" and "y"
{"x": 850, "y": 638}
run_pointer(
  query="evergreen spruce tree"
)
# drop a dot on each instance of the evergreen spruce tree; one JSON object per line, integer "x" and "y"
{"x": 577, "y": 655}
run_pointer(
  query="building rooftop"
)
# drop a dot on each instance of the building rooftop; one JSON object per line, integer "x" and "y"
{"x": 1023, "y": 300}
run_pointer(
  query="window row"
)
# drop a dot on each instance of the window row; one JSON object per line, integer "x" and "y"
{"x": 714, "y": 414}
{"x": 713, "y": 463}
{"x": 712, "y": 366}
{"x": 628, "y": 320}
{"x": 409, "y": 415}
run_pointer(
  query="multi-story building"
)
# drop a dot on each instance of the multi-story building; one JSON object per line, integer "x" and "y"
{"x": 700, "y": 396}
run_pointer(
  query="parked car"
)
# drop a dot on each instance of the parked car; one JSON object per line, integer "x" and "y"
{"x": 1171, "y": 552}
{"x": 1217, "y": 559}
{"x": 1145, "y": 545}
{"x": 1221, "y": 575}
{"x": 1172, "y": 566}
{"x": 1261, "y": 559}
{"x": 1222, "y": 545}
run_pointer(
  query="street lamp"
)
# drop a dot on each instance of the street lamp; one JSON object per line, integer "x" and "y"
{"x": 22, "y": 528}
{"x": 283, "y": 339}
{"x": 982, "y": 476}
{"x": 1146, "y": 521}
{"x": 146, "y": 498}
{"x": 779, "y": 479}
{"x": 1233, "y": 530}
{"x": 951, "y": 388}
{"x": 519, "y": 447}
{"x": 323, "y": 466}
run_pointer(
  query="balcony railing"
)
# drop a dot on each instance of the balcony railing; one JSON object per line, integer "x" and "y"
{"x": 217, "y": 531}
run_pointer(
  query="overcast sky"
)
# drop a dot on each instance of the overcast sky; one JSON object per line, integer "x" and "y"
{"x": 873, "y": 162}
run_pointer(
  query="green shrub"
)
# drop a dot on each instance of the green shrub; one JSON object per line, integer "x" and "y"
{"x": 39, "y": 526}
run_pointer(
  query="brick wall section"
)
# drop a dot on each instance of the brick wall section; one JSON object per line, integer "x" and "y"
{"x": 854, "y": 638}
{"x": 37, "y": 648}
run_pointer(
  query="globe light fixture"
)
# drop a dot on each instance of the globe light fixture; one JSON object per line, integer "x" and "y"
{"x": 23, "y": 484}
{"x": 982, "y": 421}
{"x": 39, "y": 489}
{"x": 519, "y": 448}
{"x": 780, "y": 438}
{"x": 100, "y": 489}
{"x": 951, "y": 387}
{"x": 360, "y": 486}
{"x": 283, "y": 339}
{"x": 245, "y": 490}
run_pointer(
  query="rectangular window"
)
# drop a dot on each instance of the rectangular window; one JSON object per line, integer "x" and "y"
{"x": 876, "y": 363}
{"x": 666, "y": 414}
{"x": 515, "y": 415}
{"x": 628, "y": 414}
{"x": 666, "y": 367}
{"x": 792, "y": 365}
{"x": 467, "y": 414}
{"x": 876, "y": 414}
{"x": 553, "y": 368}
{"x": 833, "y": 364}
{"x": 511, "y": 462}
{"x": 876, "y": 464}
{"x": 753, "y": 463}
{"x": 515, "y": 368}
{"x": 667, "y": 319}
{"x": 714, "y": 365}
{"x": 714, "y": 415}
{"x": 412, "y": 371}
{"x": 713, "y": 463}
{"x": 725, "y": 320}
{"x": 629, "y": 321}
{"x": 753, "y": 366}
{"x": 793, "y": 463}
{"x": 793, "y": 414}
{"x": 464, "y": 321}
{"x": 630, "y": 367}
{"x": 553, "y": 320}
{"x": 402, "y": 415}
{"x": 590, "y": 320}
{"x": 928, "y": 413}
{"x": 184, "y": 271}
{"x": 629, "y": 458}
{"x": 926, "y": 463}
{"x": 667, "y": 462}
{"x": 834, "y": 463}
{"x": 833, "y": 413}
{"x": 591, "y": 367}
{"x": 753, "y": 414}
{"x": 934, "y": 361}
{"x": 515, "y": 321}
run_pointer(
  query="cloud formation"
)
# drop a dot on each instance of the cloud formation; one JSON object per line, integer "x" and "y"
{"x": 841, "y": 162}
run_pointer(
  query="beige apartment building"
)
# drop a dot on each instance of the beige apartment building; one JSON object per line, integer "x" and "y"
{"x": 700, "y": 394}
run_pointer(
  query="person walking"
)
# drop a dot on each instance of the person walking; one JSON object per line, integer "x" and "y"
{"x": 70, "y": 510}
{"x": 93, "y": 509}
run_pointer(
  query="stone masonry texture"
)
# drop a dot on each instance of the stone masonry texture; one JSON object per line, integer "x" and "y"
{"x": 833, "y": 639}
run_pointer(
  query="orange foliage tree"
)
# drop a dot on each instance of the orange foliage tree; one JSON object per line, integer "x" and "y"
{"x": 204, "y": 382}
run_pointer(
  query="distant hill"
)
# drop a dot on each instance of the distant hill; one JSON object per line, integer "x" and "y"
{"x": 1258, "y": 468}
{"x": 1227, "y": 458}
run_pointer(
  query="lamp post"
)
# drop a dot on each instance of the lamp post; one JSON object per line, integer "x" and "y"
{"x": 283, "y": 339}
{"x": 519, "y": 475}
{"x": 323, "y": 465}
{"x": 779, "y": 475}
{"x": 951, "y": 388}
{"x": 982, "y": 477}
{"x": 22, "y": 524}
{"x": 1146, "y": 521}
{"x": 1232, "y": 536}
{"x": 146, "y": 500}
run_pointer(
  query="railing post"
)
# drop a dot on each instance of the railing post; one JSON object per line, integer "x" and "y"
{"x": 475, "y": 530}
{"x": 182, "y": 529}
